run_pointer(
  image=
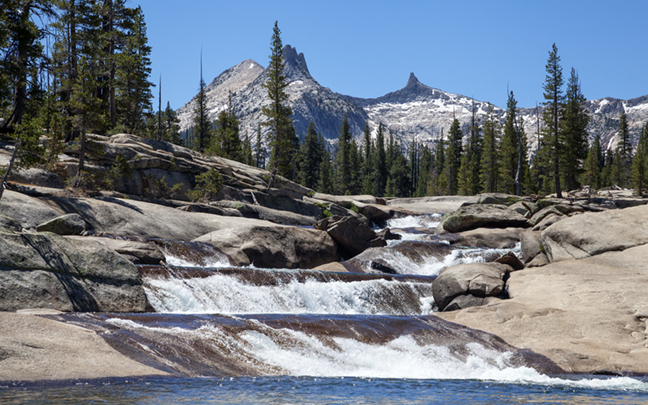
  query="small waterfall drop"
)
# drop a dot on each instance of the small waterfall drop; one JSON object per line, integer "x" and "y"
{"x": 385, "y": 347}
{"x": 284, "y": 292}
{"x": 215, "y": 320}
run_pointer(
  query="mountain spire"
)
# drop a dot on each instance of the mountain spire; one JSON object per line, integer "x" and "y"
{"x": 412, "y": 81}
{"x": 295, "y": 62}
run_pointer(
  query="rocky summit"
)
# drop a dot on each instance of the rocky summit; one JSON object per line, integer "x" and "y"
{"x": 415, "y": 112}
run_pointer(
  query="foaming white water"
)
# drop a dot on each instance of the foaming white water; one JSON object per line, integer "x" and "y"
{"x": 432, "y": 266}
{"x": 210, "y": 262}
{"x": 289, "y": 352}
{"x": 188, "y": 254}
{"x": 415, "y": 221}
{"x": 226, "y": 294}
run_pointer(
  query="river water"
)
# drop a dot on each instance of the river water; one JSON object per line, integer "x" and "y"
{"x": 257, "y": 336}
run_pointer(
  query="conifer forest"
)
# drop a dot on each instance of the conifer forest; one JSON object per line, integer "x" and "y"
{"x": 71, "y": 68}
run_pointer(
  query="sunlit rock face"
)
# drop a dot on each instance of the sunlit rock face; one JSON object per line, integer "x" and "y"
{"x": 415, "y": 112}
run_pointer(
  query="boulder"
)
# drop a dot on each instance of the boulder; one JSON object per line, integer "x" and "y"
{"x": 50, "y": 271}
{"x": 555, "y": 209}
{"x": 270, "y": 214}
{"x": 538, "y": 261}
{"x": 374, "y": 212}
{"x": 544, "y": 213}
{"x": 493, "y": 198}
{"x": 386, "y": 234}
{"x": 522, "y": 207}
{"x": 28, "y": 211}
{"x": 481, "y": 216}
{"x": 69, "y": 224}
{"x": 547, "y": 222}
{"x": 335, "y": 267}
{"x": 467, "y": 301}
{"x": 37, "y": 177}
{"x": 530, "y": 244}
{"x": 486, "y": 238}
{"x": 134, "y": 251}
{"x": 591, "y": 234}
{"x": 274, "y": 246}
{"x": 477, "y": 279}
{"x": 511, "y": 260}
{"x": 588, "y": 315}
{"x": 351, "y": 234}
{"x": 544, "y": 203}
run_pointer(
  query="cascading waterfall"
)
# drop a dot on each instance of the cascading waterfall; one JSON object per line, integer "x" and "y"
{"x": 263, "y": 349}
{"x": 212, "y": 320}
{"x": 225, "y": 294}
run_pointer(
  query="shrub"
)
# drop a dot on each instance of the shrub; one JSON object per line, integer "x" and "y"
{"x": 208, "y": 184}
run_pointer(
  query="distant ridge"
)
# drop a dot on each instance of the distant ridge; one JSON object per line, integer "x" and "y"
{"x": 415, "y": 111}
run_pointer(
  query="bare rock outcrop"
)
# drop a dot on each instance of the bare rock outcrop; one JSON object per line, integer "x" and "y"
{"x": 591, "y": 234}
{"x": 273, "y": 246}
{"x": 588, "y": 315}
{"x": 44, "y": 270}
{"x": 481, "y": 216}
{"x": 68, "y": 224}
{"x": 351, "y": 233}
{"x": 467, "y": 285}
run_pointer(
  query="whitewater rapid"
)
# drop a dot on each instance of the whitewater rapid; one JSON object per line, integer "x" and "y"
{"x": 254, "y": 325}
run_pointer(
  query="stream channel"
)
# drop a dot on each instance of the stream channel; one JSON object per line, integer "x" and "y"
{"x": 261, "y": 336}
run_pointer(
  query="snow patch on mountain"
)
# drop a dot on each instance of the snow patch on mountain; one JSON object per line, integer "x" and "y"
{"x": 415, "y": 112}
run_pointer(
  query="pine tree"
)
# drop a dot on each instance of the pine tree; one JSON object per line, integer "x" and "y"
{"x": 87, "y": 108}
{"x": 592, "y": 174}
{"x": 640, "y": 163}
{"x": 226, "y": 141}
{"x": 116, "y": 26}
{"x": 312, "y": 154}
{"x": 453, "y": 156}
{"x": 326, "y": 180}
{"x": 463, "y": 177}
{"x": 574, "y": 138}
{"x": 552, "y": 115}
{"x": 380, "y": 163}
{"x": 414, "y": 166}
{"x": 21, "y": 53}
{"x": 426, "y": 165}
{"x": 356, "y": 168}
{"x": 202, "y": 128}
{"x": 617, "y": 173}
{"x": 247, "y": 157}
{"x": 170, "y": 126}
{"x": 398, "y": 184}
{"x": 282, "y": 133}
{"x": 367, "y": 164}
{"x": 438, "y": 183}
{"x": 133, "y": 89}
{"x": 606, "y": 173}
{"x": 259, "y": 150}
{"x": 343, "y": 159}
{"x": 490, "y": 153}
{"x": 509, "y": 150}
{"x": 625, "y": 152}
{"x": 474, "y": 153}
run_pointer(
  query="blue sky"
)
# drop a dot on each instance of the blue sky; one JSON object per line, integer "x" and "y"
{"x": 368, "y": 48}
